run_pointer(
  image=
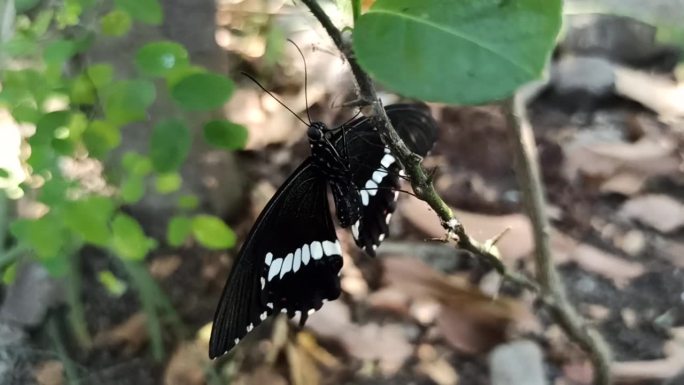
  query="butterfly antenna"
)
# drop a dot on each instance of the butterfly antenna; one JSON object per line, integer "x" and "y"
{"x": 276, "y": 99}
{"x": 306, "y": 80}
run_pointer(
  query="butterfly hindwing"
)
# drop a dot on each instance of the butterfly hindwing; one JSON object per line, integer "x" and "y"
{"x": 376, "y": 171}
{"x": 290, "y": 262}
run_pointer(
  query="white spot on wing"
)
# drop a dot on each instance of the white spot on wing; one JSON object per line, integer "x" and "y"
{"x": 372, "y": 187}
{"x": 355, "y": 230}
{"x": 316, "y": 250}
{"x": 296, "y": 262}
{"x": 269, "y": 258}
{"x": 387, "y": 160}
{"x": 275, "y": 268}
{"x": 388, "y": 217}
{"x": 263, "y": 283}
{"x": 364, "y": 197}
{"x": 262, "y": 316}
{"x": 270, "y": 305}
{"x": 329, "y": 248}
{"x": 379, "y": 175}
{"x": 236, "y": 341}
{"x": 305, "y": 254}
{"x": 250, "y": 327}
{"x": 287, "y": 265}
{"x": 310, "y": 311}
{"x": 381, "y": 237}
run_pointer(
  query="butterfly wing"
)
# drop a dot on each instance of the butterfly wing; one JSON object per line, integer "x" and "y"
{"x": 289, "y": 263}
{"x": 376, "y": 171}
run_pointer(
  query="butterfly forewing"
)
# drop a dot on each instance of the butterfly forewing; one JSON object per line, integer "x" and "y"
{"x": 376, "y": 171}
{"x": 290, "y": 262}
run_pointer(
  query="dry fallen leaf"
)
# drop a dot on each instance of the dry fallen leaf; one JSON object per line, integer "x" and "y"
{"x": 597, "y": 261}
{"x": 469, "y": 320}
{"x": 654, "y": 370}
{"x": 164, "y": 266}
{"x": 303, "y": 370}
{"x": 131, "y": 334}
{"x": 260, "y": 376}
{"x": 515, "y": 244}
{"x": 439, "y": 371}
{"x": 659, "y": 211}
{"x": 658, "y": 93}
{"x": 49, "y": 373}
{"x": 624, "y": 183}
{"x": 187, "y": 365}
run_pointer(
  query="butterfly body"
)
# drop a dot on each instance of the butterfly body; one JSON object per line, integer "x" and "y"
{"x": 291, "y": 260}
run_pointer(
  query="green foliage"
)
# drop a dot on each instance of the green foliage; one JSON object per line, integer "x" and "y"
{"x": 465, "y": 52}
{"x": 146, "y": 11}
{"x": 169, "y": 145}
{"x": 127, "y": 101}
{"x": 114, "y": 285}
{"x": 129, "y": 240}
{"x": 225, "y": 134}
{"x": 90, "y": 218}
{"x": 202, "y": 91}
{"x": 168, "y": 183}
{"x": 212, "y": 233}
{"x": 116, "y": 23}
{"x": 179, "y": 230}
{"x": 161, "y": 58}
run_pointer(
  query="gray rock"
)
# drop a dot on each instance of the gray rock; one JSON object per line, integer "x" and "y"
{"x": 28, "y": 299}
{"x": 590, "y": 74}
{"x": 517, "y": 363}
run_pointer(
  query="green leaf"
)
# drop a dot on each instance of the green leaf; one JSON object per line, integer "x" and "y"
{"x": 44, "y": 235}
{"x": 100, "y": 74}
{"x": 466, "y": 52}
{"x": 159, "y": 58}
{"x": 202, "y": 91}
{"x": 127, "y": 101}
{"x": 188, "y": 202}
{"x": 10, "y": 274}
{"x": 114, "y": 285}
{"x": 168, "y": 182}
{"x": 225, "y": 134}
{"x": 115, "y": 23}
{"x": 169, "y": 145}
{"x": 212, "y": 233}
{"x": 89, "y": 218}
{"x": 49, "y": 126}
{"x": 82, "y": 90}
{"x": 132, "y": 189}
{"x": 129, "y": 240}
{"x": 59, "y": 51}
{"x": 175, "y": 75}
{"x": 178, "y": 230}
{"x": 4, "y": 173}
{"x": 147, "y": 11}
{"x": 100, "y": 138}
{"x": 41, "y": 22}
{"x": 136, "y": 164}
{"x": 22, "y": 6}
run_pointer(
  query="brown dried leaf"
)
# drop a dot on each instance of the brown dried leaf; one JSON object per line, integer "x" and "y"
{"x": 673, "y": 252}
{"x": 439, "y": 371}
{"x": 515, "y": 244}
{"x": 594, "y": 260}
{"x": 659, "y": 211}
{"x": 49, "y": 373}
{"x": 131, "y": 334}
{"x": 303, "y": 370}
{"x": 165, "y": 266}
{"x": 658, "y": 93}
{"x": 469, "y": 320}
{"x": 668, "y": 367}
{"x": 187, "y": 365}
{"x": 624, "y": 183}
{"x": 260, "y": 376}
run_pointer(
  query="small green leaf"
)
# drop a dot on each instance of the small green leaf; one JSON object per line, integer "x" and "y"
{"x": 127, "y": 101}
{"x": 89, "y": 218}
{"x": 177, "y": 74}
{"x": 132, "y": 189}
{"x": 159, "y": 58}
{"x": 136, "y": 164}
{"x": 41, "y": 22}
{"x": 116, "y": 23}
{"x": 59, "y": 51}
{"x": 100, "y": 74}
{"x": 212, "y": 233}
{"x": 129, "y": 240}
{"x": 188, "y": 202}
{"x": 44, "y": 235}
{"x": 147, "y": 11}
{"x": 4, "y": 173}
{"x": 178, "y": 230}
{"x": 168, "y": 182}
{"x": 114, "y": 285}
{"x": 202, "y": 91}
{"x": 100, "y": 138}
{"x": 464, "y": 52}
{"x": 169, "y": 145}
{"x": 225, "y": 134}
{"x": 82, "y": 90}
{"x": 10, "y": 274}
{"x": 22, "y": 6}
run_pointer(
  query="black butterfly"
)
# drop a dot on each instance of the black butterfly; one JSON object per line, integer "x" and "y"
{"x": 291, "y": 260}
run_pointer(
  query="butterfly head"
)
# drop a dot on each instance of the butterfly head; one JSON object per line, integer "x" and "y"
{"x": 316, "y": 131}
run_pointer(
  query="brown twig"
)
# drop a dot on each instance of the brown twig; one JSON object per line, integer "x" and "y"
{"x": 551, "y": 285}
{"x": 549, "y": 289}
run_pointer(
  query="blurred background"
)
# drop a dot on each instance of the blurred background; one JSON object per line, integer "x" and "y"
{"x": 117, "y": 234}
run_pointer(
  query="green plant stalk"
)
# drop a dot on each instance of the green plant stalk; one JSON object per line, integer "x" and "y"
{"x": 76, "y": 313}
{"x": 356, "y": 9}
{"x": 56, "y": 339}
{"x": 144, "y": 285}
{"x": 10, "y": 256}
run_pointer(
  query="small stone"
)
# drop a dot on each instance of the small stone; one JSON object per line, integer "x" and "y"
{"x": 516, "y": 363}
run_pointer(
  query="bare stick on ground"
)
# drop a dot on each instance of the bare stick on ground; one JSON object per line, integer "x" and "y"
{"x": 550, "y": 288}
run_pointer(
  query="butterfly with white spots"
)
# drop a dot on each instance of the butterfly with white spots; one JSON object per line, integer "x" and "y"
{"x": 291, "y": 260}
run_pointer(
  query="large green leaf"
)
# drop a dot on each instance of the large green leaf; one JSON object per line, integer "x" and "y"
{"x": 147, "y": 11}
{"x": 202, "y": 91}
{"x": 466, "y": 51}
{"x": 212, "y": 233}
{"x": 127, "y": 101}
{"x": 169, "y": 145}
{"x": 89, "y": 218}
{"x": 101, "y": 137}
{"x": 159, "y": 58}
{"x": 223, "y": 133}
{"x": 129, "y": 240}
{"x": 44, "y": 235}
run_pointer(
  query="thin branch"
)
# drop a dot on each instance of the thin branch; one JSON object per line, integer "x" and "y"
{"x": 551, "y": 285}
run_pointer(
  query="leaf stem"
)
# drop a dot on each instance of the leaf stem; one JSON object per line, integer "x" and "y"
{"x": 76, "y": 313}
